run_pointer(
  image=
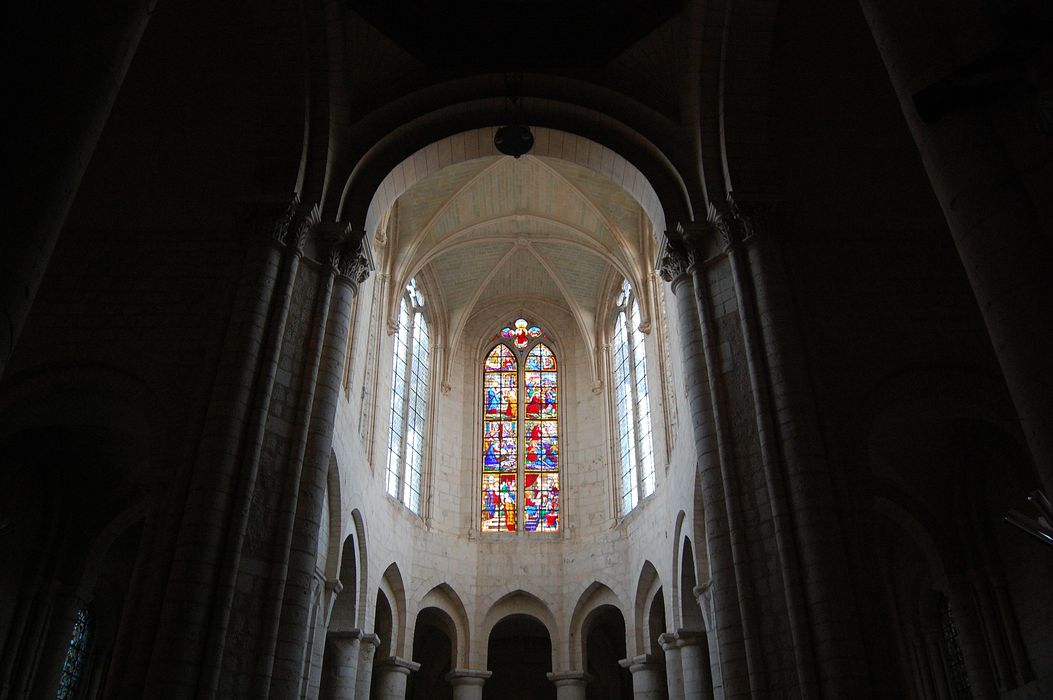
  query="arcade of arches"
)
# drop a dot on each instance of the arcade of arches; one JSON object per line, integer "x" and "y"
{"x": 720, "y": 391}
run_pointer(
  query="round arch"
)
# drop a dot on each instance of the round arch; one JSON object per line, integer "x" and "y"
{"x": 392, "y": 168}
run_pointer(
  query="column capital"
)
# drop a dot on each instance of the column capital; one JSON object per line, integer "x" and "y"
{"x": 397, "y": 665}
{"x": 704, "y": 594}
{"x": 467, "y": 676}
{"x": 345, "y": 635}
{"x": 643, "y": 662}
{"x": 690, "y": 638}
{"x": 352, "y": 257}
{"x": 370, "y": 639}
{"x": 674, "y": 258}
{"x": 571, "y": 678}
{"x": 668, "y": 640}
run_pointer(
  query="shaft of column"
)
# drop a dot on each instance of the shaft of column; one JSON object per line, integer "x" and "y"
{"x": 391, "y": 676}
{"x": 570, "y": 685}
{"x": 645, "y": 670}
{"x": 1005, "y": 248}
{"x": 367, "y": 649}
{"x": 694, "y": 660}
{"x": 468, "y": 684}
{"x": 341, "y": 665}
{"x": 674, "y": 672}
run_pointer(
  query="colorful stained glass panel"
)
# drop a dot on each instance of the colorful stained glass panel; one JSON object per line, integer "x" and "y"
{"x": 499, "y": 503}
{"x": 521, "y": 333}
{"x": 541, "y": 502}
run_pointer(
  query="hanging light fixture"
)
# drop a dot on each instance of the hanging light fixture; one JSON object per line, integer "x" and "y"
{"x": 514, "y": 139}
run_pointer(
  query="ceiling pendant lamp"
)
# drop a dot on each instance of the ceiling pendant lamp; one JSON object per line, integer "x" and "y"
{"x": 514, "y": 139}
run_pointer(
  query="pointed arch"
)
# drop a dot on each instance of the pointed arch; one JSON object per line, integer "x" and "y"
{"x": 595, "y": 596}
{"x": 393, "y": 588}
{"x": 648, "y": 586}
{"x": 520, "y": 602}
{"x": 445, "y": 599}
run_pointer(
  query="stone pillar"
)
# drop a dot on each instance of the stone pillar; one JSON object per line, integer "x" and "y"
{"x": 645, "y": 670}
{"x": 341, "y": 665}
{"x": 367, "y": 648}
{"x": 694, "y": 662}
{"x": 468, "y": 684}
{"x": 391, "y": 675}
{"x": 674, "y": 672}
{"x": 80, "y": 54}
{"x": 348, "y": 265}
{"x": 990, "y": 195}
{"x": 570, "y": 685}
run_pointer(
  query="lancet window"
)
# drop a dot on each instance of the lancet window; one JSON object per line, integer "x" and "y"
{"x": 520, "y": 471}
{"x": 409, "y": 400}
{"x": 631, "y": 404}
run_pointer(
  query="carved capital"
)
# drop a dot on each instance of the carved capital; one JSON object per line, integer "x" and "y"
{"x": 675, "y": 261}
{"x": 739, "y": 222}
{"x": 311, "y": 219}
{"x": 354, "y": 257}
{"x": 280, "y": 230}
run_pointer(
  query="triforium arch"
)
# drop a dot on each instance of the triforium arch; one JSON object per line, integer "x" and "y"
{"x": 596, "y": 595}
{"x": 444, "y": 598}
{"x": 648, "y": 589}
{"x": 520, "y": 602}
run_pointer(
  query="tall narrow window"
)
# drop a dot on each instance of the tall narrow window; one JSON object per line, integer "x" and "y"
{"x": 520, "y": 433}
{"x": 73, "y": 668}
{"x": 409, "y": 400}
{"x": 631, "y": 405}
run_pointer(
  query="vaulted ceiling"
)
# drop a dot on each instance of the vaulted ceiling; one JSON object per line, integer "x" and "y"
{"x": 493, "y": 230}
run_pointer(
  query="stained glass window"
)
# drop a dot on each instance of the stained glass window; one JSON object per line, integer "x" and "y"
{"x": 409, "y": 400}
{"x": 631, "y": 404}
{"x": 76, "y": 662}
{"x": 520, "y": 434}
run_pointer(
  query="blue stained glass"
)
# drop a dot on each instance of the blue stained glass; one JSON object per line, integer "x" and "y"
{"x": 76, "y": 655}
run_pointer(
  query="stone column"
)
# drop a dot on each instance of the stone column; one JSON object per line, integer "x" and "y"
{"x": 990, "y": 195}
{"x": 392, "y": 674}
{"x": 367, "y": 648}
{"x": 341, "y": 665}
{"x": 646, "y": 682}
{"x": 674, "y": 672}
{"x": 694, "y": 662}
{"x": 570, "y": 685}
{"x": 468, "y": 684}
{"x": 734, "y": 621}
{"x": 349, "y": 263}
